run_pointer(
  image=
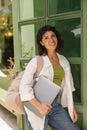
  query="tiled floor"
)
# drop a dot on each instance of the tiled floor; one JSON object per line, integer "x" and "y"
{"x": 7, "y": 120}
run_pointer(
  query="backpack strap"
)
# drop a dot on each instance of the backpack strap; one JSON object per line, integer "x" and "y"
{"x": 39, "y": 65}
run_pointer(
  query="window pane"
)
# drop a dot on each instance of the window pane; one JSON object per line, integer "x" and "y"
{"x": 76, "y": 72}
{"x": 28, "y": 40}
{"x": 29, "y": 9}
{"x": 71, "y": 33}
{"x": 28, "y": 37}
{"x": 62, "y": 6}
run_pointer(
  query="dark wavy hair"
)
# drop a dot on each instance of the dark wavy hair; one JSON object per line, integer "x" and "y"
{"x": 41, "y": 49}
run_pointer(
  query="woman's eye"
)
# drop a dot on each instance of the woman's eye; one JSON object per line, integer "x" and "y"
{"x": 53, "y": 36}
{"x": 45, "y": 38}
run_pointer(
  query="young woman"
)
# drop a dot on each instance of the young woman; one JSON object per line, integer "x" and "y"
{"x": 56, "y": 68}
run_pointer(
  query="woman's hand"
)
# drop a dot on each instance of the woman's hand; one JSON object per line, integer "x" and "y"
{"x": 43, "y": 108}
{"x": 75, "y": 115}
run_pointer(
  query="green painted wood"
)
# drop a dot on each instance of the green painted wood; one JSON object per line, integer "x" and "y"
{"x": 20, "y": 122}
{"x": 3, "y": 94}
{"x": 84, "y": 74}
{"x": 17, "y": 45}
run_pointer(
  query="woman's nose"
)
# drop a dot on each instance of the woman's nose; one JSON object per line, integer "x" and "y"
{"x": 51, "y": 39}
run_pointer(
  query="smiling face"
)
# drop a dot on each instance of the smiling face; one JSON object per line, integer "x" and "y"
{"x": 49, "y": 40}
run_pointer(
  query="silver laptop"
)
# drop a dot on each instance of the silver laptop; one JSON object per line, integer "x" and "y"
{"x": 45, "y": 91}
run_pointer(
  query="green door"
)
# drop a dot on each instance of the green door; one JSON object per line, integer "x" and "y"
{"x": 70, "y": 18}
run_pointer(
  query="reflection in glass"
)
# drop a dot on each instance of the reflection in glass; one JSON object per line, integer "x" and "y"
{"x": 28, "y": 40}
{"x": 29, "y": 9}
{"x": 62, "y": 6}
{"x": 71, "y": 33}
{"x": 76, "y": 72}
{"x": 28, "y": 37}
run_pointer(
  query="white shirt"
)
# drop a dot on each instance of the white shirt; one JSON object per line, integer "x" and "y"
{"x": 26, "y": 90}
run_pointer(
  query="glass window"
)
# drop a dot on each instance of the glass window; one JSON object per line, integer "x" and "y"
{"x": 76, "y": 72}
{"x": 28, "y": 40}
{"x": 62, "y": 6}
{"x": 28, "y": 37}
{"x": 71, "y": 32}
{"x": 29, "y": 9}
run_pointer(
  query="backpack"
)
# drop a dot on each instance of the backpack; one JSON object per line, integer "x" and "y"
{"x": 13, "y": 100}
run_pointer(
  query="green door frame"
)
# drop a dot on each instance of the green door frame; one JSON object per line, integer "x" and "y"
{"x": 84, "y": 75}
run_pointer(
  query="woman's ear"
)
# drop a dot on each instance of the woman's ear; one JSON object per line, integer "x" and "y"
{"x": 41, "y": 43}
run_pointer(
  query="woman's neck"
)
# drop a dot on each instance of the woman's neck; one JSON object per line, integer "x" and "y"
{"x": 53, "y": 57}
{"x": 52, "y": 54}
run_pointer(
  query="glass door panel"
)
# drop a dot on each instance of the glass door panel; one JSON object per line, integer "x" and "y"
{"x": 29, "y": 9}
{"x": 76, "y": 72}
{"x": 28, "y": 38}
{"x": 63, "y": 6}
{"x": 71, "y": 33}
{"x": 28, "y": 41}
